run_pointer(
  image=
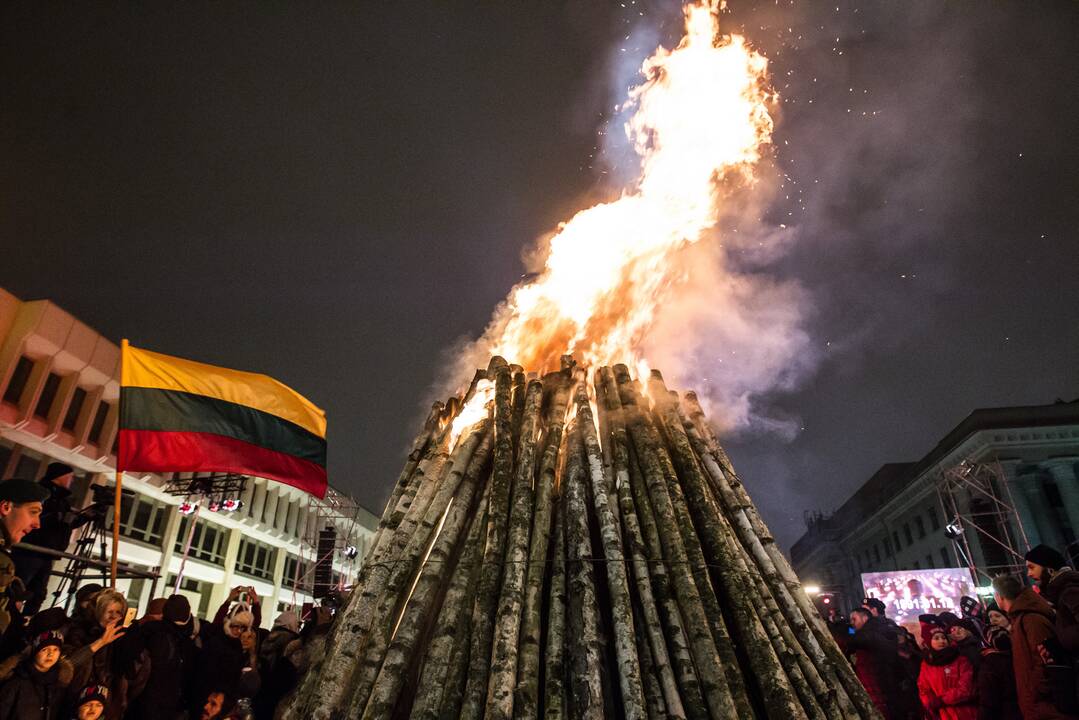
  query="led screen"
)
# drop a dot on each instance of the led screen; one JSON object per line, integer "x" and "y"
{"x": 910, "y": 593}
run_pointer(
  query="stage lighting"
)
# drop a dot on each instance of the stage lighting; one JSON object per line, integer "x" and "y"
{"x": 187, "y": 508}
{"x": 351, "y": 552}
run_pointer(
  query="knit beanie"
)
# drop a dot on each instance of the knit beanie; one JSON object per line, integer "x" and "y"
{"x": 998, "y": 639}
{"x": 47, "y": 638}
{"x": 91, "y": 693}
{"x": 177, "y": 609}
{"x": 1046, "y": 557}
{"x": 55, "y": 470}
{"x": 928, "y": 623}
{"x": 947, "y": 619}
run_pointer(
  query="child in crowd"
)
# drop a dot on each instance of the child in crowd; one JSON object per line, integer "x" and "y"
{"x": 36, "y": 689}
{"x": 91, "y": 703}
{"x": 946, "y": 681}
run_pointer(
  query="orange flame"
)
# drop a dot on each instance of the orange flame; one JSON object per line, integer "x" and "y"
{"x": 700, "y": 117}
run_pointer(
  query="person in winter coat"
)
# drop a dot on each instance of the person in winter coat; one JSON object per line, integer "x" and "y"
{"x": 1060, "y": 586}
{"x": 996, "y": 679}
{"x": 946, "y": 682}
{"x": 1032, "y": 625}
{"x": 998, "y": 618}
{"x": 222, "y": 659}
{"x": 876, "y": 661}
{"x": 92, "y": 649}
{"x": 92, "y": 703}
{"x": 169, "y": 652}
{"x": 57, "y": 522}
{"x": 966, "y": 636}
{"x": 36, "y": 690}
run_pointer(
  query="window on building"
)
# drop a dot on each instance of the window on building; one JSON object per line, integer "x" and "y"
{"x": 944, "y": 557}
{"x": 876, "y": 553}
{"x": 888, "y": 551}
{"x": 28, "y": 465}
{"x": 295, "y": 574}
{"x": 48, "y": 396}
{"x": 919, "y": 525}
{"x": 207, "y": 542}
{"x": 255, "y": 559}
{"x": 929, "y": 561}
{"x": 906, "y": 534}
{"x": 933, "y": 521}
{"x": 895, "y": 541}
{"x": 78, "y": 399}
{"x": 99, "y": 423}
{"x": 141, "y": 518}
{"x": 18, "y": 381}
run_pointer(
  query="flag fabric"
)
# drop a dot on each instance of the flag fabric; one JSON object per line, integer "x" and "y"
{"x": 178, "y": 415}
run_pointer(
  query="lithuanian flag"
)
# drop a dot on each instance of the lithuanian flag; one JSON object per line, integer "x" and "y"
{"x": 177, "y": 415}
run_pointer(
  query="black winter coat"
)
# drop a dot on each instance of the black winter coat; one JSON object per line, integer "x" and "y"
{"x": 1063, "y": 592}
{"x": 218, "y": 665}
{"x": 170, "y": 653}
{"x": 996, "y": 687}
{"x": 32, "y": 695}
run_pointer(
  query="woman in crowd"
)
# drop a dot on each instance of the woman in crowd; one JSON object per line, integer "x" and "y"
{"x": 946, "y": 681}
{"x": 996, "y": 678}
{"x": 90, "y": 646}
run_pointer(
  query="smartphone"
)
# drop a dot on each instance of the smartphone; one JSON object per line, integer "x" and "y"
{"x": 243, "y": 598}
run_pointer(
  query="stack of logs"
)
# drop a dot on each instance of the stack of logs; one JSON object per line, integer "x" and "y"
{"x": 541, "y": 564}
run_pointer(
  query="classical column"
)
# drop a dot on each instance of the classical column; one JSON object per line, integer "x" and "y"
{"x": 168, "y": 546}
{"x": 1022, "y": 506}
{"x": 232, "y": 552}
{"x": 1043, "y": 513}
{"x": 1063, "y": 472}
{"x": 269, "y": 612}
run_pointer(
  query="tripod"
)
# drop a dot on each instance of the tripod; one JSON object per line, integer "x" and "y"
{"x": 92, "y": 534}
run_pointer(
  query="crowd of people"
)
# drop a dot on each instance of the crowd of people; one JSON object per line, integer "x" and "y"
{"x": 1014, "y": 659}
{"x": 166, "y": 665}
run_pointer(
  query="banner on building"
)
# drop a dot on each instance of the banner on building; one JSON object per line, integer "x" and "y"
{"x": 178, "y": 415}
{"x": 907, "y": 594}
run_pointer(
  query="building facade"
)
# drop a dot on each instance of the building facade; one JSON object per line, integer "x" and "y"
{"x": 59, "y": 387}
{"x": 910, "y": 516}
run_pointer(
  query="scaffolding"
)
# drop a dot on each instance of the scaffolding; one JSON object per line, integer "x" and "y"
{"x": 977, "y": 502}
{"x": 340, "y": 513}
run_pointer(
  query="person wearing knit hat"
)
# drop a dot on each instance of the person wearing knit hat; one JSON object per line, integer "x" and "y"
{"x": 967, "y": 639}
{"x": 946, "y": 681}
{"x": 92, "y": 702}
{"x": 155, "y": 610}
{"x": 927, "y": 624}
{"x": 35, "y": 689}
{"x": 171, "y": 657}
{"x": 176, "y": 610}
{"x": 1042, "y": 562}
{"x": 20, "y": 511}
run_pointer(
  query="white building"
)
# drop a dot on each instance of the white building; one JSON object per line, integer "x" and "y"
{"x": 59, "y": 386}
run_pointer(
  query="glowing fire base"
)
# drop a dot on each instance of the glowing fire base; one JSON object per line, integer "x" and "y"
{"x": 537, "y": 564}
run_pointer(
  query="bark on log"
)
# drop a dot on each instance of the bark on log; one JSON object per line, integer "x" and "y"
{"x": 692, "y": 499}
{"x": 848, "y": 684}
{"x": 636, "y": 551}
{"x": 554, "y": 674}
{"x": 419, "y": 608}
{"x": 526, "y": 704}
{"x": 483, "y": 615}
{"x": 503, "y": 674}
{"x": 629, "y": 671}
{"x": 586, "y": 685}
{"x": 440, "y": 678}
{"x": 403, "y": 577}
{"x": 713, "y": 677}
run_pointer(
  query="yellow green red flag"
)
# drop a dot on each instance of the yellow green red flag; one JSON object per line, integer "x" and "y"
{"x": 178, "y": 415}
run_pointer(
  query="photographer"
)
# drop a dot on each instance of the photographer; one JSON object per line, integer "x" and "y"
{"x": 57, "y": 523}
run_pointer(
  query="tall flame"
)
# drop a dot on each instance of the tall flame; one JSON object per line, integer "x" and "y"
{"x": 700, "y": 116}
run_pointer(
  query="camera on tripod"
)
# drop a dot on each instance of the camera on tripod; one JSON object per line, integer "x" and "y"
{"x": 102, "y": 498}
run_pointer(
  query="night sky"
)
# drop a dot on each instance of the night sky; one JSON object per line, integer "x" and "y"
{"x": 339, "y": 195}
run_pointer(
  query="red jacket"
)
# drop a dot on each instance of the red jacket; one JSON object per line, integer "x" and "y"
{"x": 953, "y": 683}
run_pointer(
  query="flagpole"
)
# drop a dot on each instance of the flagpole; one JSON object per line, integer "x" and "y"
{"x": 119, "y": 477}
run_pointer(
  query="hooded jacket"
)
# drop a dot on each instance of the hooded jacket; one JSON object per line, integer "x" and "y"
{"x": 1063, "y": 592}
{"x": 1032, "y": 624}
{"x": 946, "y": 685}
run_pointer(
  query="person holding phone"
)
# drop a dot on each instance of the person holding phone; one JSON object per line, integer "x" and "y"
{"x": 91, "y": 647}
